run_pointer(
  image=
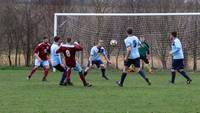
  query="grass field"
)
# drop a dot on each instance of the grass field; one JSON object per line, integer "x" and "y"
{"x": 17, "y": 95}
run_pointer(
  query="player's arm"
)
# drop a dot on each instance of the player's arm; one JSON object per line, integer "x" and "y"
{"x": 78, "y": 47}
{"x": 106, "y": 56}
{"x": 128, "y": 49}
{"x": 60, "y": 49}
{"x": 128, "y": 53}
{"x": 177, "y": 47}
{"x": 36, "y": 53}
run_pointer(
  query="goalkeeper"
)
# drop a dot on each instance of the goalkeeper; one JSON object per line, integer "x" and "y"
{"x": 144, "y": 53}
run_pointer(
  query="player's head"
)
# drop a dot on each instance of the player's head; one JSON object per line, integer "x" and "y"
{"x": 173, "y": 35}
{"x": 69, "y": 39}
{"x": 142, "y": 39}
{"x": 57, "y": 39}
{"x": 100, "y": 43}
{"x": 45, "y": 40}
{"x": 129, "y": 31}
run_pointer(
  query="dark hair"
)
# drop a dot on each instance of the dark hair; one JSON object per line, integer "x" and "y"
{"x": 56, "y": 38}
{"x": 174, "y": 34}
{"x": 129, "y": 31}
{"x": 45, "y": 37}
{"x": 69, "y": 39}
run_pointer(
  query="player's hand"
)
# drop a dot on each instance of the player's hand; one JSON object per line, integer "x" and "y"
{"x": 39, "y": 59}
{"x": 76, "y": 43}
{"x": 125, "y": 59}
{"x": 109, "y": 62}
{"x": 148, "y": 57}
{"x": 170, "y": 52}
{"x": 62, "y": 65}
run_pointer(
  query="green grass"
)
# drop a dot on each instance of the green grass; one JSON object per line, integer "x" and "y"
{"x": 17, "y": 95}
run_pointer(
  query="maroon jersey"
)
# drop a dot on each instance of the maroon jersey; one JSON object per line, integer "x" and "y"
{"x": 69, "y": 52}
{"x": 42, "y": 50}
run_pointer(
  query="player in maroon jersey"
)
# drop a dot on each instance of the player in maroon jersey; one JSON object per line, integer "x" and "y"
{"x": 41, "y": 58}
{"x": 69, "y": 50}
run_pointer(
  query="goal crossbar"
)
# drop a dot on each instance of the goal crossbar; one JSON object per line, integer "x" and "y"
{"x": 119, "y": 14}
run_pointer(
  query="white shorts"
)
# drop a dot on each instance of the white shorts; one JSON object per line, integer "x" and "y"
{"x": 43, "y": 63}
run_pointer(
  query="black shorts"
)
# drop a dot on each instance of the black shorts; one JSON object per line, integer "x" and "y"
{"x": 177, "y": 64}
{"x": 144, "y": 58}
{"x": 96, "y": 62}
{"x": 59, "y": 68}
{"x": 135, "y": 62}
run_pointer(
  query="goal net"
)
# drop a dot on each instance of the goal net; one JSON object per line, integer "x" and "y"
{"x": 88, "y": 28}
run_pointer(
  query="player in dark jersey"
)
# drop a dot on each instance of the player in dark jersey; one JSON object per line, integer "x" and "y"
{"x": 69, "y": 50}
{"x": 41, "y": 58}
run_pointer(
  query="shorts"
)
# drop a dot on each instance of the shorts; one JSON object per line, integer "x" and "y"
{"x": 177, "y": 64}
{"x": 43, "y": 63}
{"x": 144, "y": 58}
{"x": 135, "y": 62}
{"x": 96, "y": 62}
{"x": 59, "y": 68}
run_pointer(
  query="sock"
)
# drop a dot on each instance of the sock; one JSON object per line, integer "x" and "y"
{"x": 85, "y": 73}
{"x": 32, "y": 72}
{"x": 123, "y": 76}
{"x": 82, "y": 77}
{"x": 142, "y": 74}
{"x": 63, "y": 77}
{"x": 45, "y": 72}
{"x": 184, "y": 74}
{"x": 173, "y": 76}
{"x": 103, "y": 71}
{"x": 68, "y": 74}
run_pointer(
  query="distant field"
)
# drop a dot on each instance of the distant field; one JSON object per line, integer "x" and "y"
{"x": 17, "y": 95}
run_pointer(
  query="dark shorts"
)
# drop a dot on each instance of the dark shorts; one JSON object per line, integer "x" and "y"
{"x": 144, "y": 58}
{"x": 59, "y": 68}
{"x": 96, "y": 62}
{"x": 177, "y": 64}
{"x": 135, "y": 62}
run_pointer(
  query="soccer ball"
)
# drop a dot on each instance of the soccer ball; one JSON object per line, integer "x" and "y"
{"x": 113, "y": 42}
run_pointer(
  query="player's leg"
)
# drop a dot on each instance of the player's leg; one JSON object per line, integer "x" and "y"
{"x": 136, "y": 63}
{"x": 182, "y": 72}
{"x": 103, "y": 69}
{"x": 173, "y": 71}
{"x": 36, "y": 65}
{"x": 62, "y": 69}
{"x": 146, "y": 61}
{"x": 68, "y": 77}
{"x": 82, "y": 77}
{"x": 45, "y": 65}
{"x": 124, "y": 73}
{"x": 87, "y": 69}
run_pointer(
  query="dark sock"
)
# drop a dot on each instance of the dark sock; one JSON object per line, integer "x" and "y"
{"x": 63, "y": 77}
{"x": 142, "y": 74}
{"x": 173, "y": 76}
{"x": 85, "y": 73}
{"x": 184, "y": 74}
{"x": 103, "y": 71}
{"x": 123, "y": 76}
{"x": 82, "y": 77}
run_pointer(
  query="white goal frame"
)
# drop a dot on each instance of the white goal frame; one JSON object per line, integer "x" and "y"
{"x": 56, "y": 15}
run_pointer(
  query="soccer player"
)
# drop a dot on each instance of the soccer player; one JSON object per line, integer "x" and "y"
{"x": 41, "y": 58}
{"x": 144, "y": 52}
{"x": 56, "y": 59}
{"x": 177, "y": 62}
{"x": 69, "y": 50}
{"x": 95, "y": 58}
{"x": 132, "y": 57}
